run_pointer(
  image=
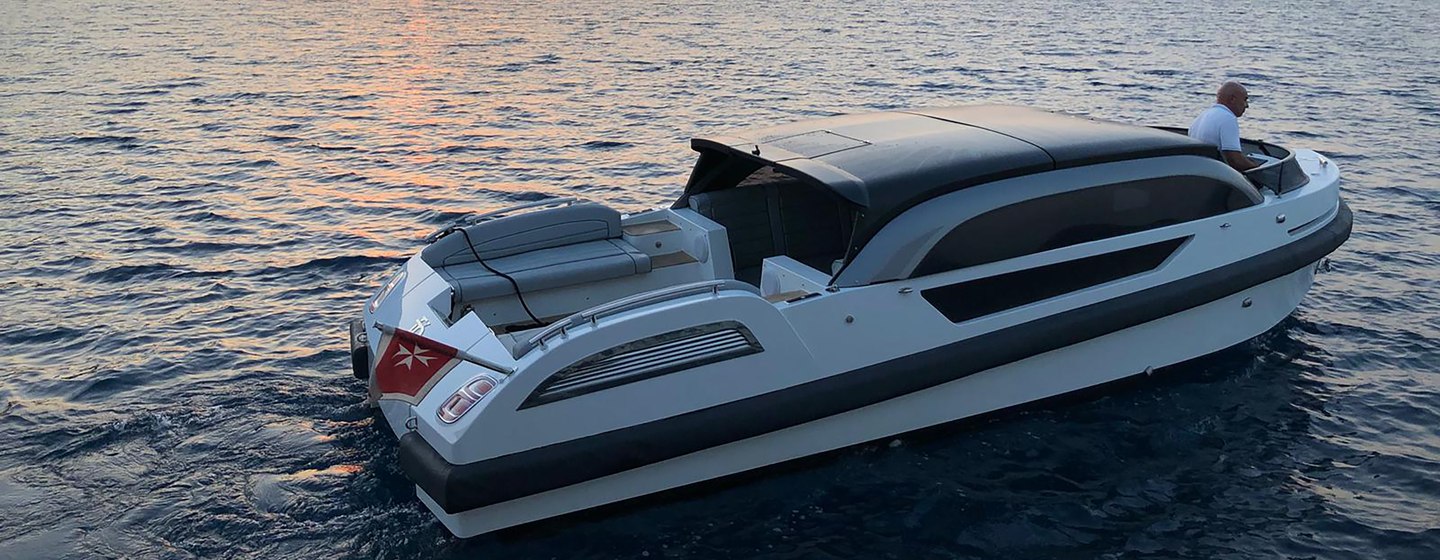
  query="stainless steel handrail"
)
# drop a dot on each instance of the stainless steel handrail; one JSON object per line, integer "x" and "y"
{"x": 646, "y": 298}
{"x": 593, "y": 314}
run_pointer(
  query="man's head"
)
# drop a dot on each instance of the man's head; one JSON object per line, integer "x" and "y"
{"x": 1233, "y": 96}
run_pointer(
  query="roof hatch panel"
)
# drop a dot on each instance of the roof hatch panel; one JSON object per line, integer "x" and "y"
{"x": 815, "y": 143}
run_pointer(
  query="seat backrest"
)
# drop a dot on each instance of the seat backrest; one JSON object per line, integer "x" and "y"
{"x": 784, "y": 218}
{"x": 745, "y": 213}
{"x": 813, "y": 226}
{"x": 512, "y": 235}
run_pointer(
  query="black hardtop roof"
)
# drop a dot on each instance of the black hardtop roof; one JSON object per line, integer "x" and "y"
{"x": 889, "y": 161}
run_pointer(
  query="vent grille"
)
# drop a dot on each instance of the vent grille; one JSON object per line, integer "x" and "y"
{"x": 651, "y": 357}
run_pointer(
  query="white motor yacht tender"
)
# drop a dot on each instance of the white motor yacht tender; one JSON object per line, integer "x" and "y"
{"x": 822, "y": 284}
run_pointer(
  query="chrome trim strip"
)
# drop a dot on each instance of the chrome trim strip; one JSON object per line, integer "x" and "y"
{"x": 667, "y": 348}
{"x": 1326, "y": 217}
{"x": 632, "y": 364}
{"x": 629, "y": 363}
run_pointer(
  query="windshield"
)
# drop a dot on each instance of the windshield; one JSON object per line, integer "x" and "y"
{"x": 1278, "y": 171}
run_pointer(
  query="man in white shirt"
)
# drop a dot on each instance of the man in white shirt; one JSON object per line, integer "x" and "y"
{"x": 1220, "y": 124}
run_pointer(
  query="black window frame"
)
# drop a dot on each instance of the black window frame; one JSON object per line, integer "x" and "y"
{"x": 1019, "y": 229}
{"x": 981, "y": 297}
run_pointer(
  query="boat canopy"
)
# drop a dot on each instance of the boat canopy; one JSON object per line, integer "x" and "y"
{"x": 882, "y": 164}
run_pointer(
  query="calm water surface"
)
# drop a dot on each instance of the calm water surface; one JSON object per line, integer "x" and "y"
{"x": 195, "y": 195}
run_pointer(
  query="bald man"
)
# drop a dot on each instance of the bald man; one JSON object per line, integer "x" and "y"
{"x": 1220, "y": 124}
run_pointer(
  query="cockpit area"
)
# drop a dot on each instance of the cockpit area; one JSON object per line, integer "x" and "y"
{"x": 768, "y": 213}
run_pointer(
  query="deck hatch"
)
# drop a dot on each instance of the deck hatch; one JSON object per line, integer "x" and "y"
{"x": 646, "y": 358}
{"x": 815, "y": 144}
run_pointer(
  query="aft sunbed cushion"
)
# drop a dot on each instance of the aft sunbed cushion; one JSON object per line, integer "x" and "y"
{"x": 545, "y": 269}
{"x": 543, "y": 229}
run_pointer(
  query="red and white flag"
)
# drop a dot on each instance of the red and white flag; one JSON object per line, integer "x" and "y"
{"x": 409, "y": 365}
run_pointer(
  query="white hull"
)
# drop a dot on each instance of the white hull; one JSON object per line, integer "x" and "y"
{"x": 1206, "y": 329}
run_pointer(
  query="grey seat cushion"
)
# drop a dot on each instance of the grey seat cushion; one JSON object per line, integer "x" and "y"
{"x": 544, "y": 229}
{"x": 545, "y": 269}
{"x": 745, "y": 213}
{"x": 813, "y": 226}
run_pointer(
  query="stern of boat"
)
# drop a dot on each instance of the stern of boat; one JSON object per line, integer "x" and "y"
{"x": 480, "y": 408}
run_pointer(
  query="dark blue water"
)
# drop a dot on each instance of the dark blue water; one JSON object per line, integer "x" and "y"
{"x": 195, "y": 195}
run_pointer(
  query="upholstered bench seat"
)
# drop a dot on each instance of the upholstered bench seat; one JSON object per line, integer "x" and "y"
{"x": 542, "y": 250}
{"x": 545, "y": 269}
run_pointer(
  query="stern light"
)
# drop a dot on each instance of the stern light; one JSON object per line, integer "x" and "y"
{"x": 385, "y": 292}
{"x": 461, "y": 402}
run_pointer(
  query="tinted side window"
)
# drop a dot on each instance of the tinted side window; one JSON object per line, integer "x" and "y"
{"x": 1075, "y": 217}
{"x": 981, "y": 297}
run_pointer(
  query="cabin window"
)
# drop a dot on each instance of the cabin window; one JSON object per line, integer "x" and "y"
{"x": 978, "y": 298}
{"x": 1075, "y": 217}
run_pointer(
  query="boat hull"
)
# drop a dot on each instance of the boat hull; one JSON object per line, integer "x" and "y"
{"x": 709, "y": 377}
{"x": 1168, "y": 340}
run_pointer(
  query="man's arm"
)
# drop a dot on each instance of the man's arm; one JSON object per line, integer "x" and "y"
{"x": 1239, "y": 161}
{"x": 1230, "y": 147}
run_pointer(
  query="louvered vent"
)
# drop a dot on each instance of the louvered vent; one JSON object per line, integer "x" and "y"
{"x": 646, "y": 358}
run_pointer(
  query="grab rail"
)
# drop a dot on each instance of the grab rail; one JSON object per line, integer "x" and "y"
{"x": 593, "y": 314}
{"x": 473, "y": 219}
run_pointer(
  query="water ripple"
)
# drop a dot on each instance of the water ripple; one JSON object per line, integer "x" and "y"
{"x": 195, "y": 196}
